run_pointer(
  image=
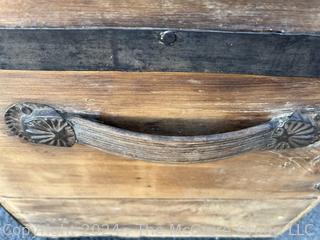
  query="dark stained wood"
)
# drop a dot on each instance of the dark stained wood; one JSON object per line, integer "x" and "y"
{"x": 142, "y": 50}
{"x": 244, "y": 15}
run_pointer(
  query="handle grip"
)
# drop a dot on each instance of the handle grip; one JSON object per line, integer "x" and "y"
{"x": 43, "y": 124}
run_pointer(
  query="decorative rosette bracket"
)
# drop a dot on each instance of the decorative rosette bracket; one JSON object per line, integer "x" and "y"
{"x": 39, "y": 123}
{"x": 300, "y": 129}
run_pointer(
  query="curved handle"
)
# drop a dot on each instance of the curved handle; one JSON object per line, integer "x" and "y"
{"x": 39, "y": 123}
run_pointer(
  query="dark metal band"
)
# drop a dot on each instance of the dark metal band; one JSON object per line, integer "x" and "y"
{"x": 160, "y": 50}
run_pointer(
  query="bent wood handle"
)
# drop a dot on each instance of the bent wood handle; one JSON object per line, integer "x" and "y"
{"x": 39, "y": 123}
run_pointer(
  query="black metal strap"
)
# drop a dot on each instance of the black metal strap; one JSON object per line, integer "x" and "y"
{"x": 160, "y": 50}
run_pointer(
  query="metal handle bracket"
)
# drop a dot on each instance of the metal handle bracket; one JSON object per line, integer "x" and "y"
{"x": 43, "y": 124}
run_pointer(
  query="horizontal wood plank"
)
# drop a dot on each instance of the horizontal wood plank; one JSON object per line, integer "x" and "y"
{"x": 268, "y": 190}
{"x": 171, "y": 103}
{"x": 157, "y": 218}
{"x": 244, "y": 15}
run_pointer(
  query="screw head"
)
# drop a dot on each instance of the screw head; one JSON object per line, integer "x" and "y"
{"x": 168, "y": 38}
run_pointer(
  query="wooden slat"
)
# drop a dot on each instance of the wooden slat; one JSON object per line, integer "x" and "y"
{"x": 157, "y": 218}
{"x": 171, "y": 103}
{"x": 80, "y": 172}
{"x": 40, "y": 182}
{"x": 249, "y": 15}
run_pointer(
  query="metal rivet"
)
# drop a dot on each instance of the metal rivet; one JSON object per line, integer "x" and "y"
{"x": 168, "y": 38}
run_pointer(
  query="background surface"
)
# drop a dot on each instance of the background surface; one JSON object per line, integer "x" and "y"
{"x": 307, "y": 229}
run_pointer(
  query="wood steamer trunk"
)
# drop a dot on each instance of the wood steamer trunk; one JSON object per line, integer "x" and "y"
{"x": 206, "y": 112}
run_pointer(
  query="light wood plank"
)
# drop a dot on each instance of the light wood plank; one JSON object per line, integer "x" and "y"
{"x": 249, "y": 15}
{"x": 40, "y": 182}
{"x": 154, "y": 98}
{"x": 156, "y": 218}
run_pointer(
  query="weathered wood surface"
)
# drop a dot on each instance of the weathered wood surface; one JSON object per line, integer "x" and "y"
{"x": 142, "y": 50}
{"x": 246, "y": 15}
{"x": 170, "y": 149}
{"x": 87, "y": 182}
{"x": 158, "y": 217}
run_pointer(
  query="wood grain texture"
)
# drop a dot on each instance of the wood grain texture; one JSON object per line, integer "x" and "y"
{"x": 246, "y": 15}
{"x": 170, "y": 149}
{"x": 168, "y": 103}
{"x": 40, "y": 182}
{"x": 157, "y": 218}
{"x": 82, "y": 172}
